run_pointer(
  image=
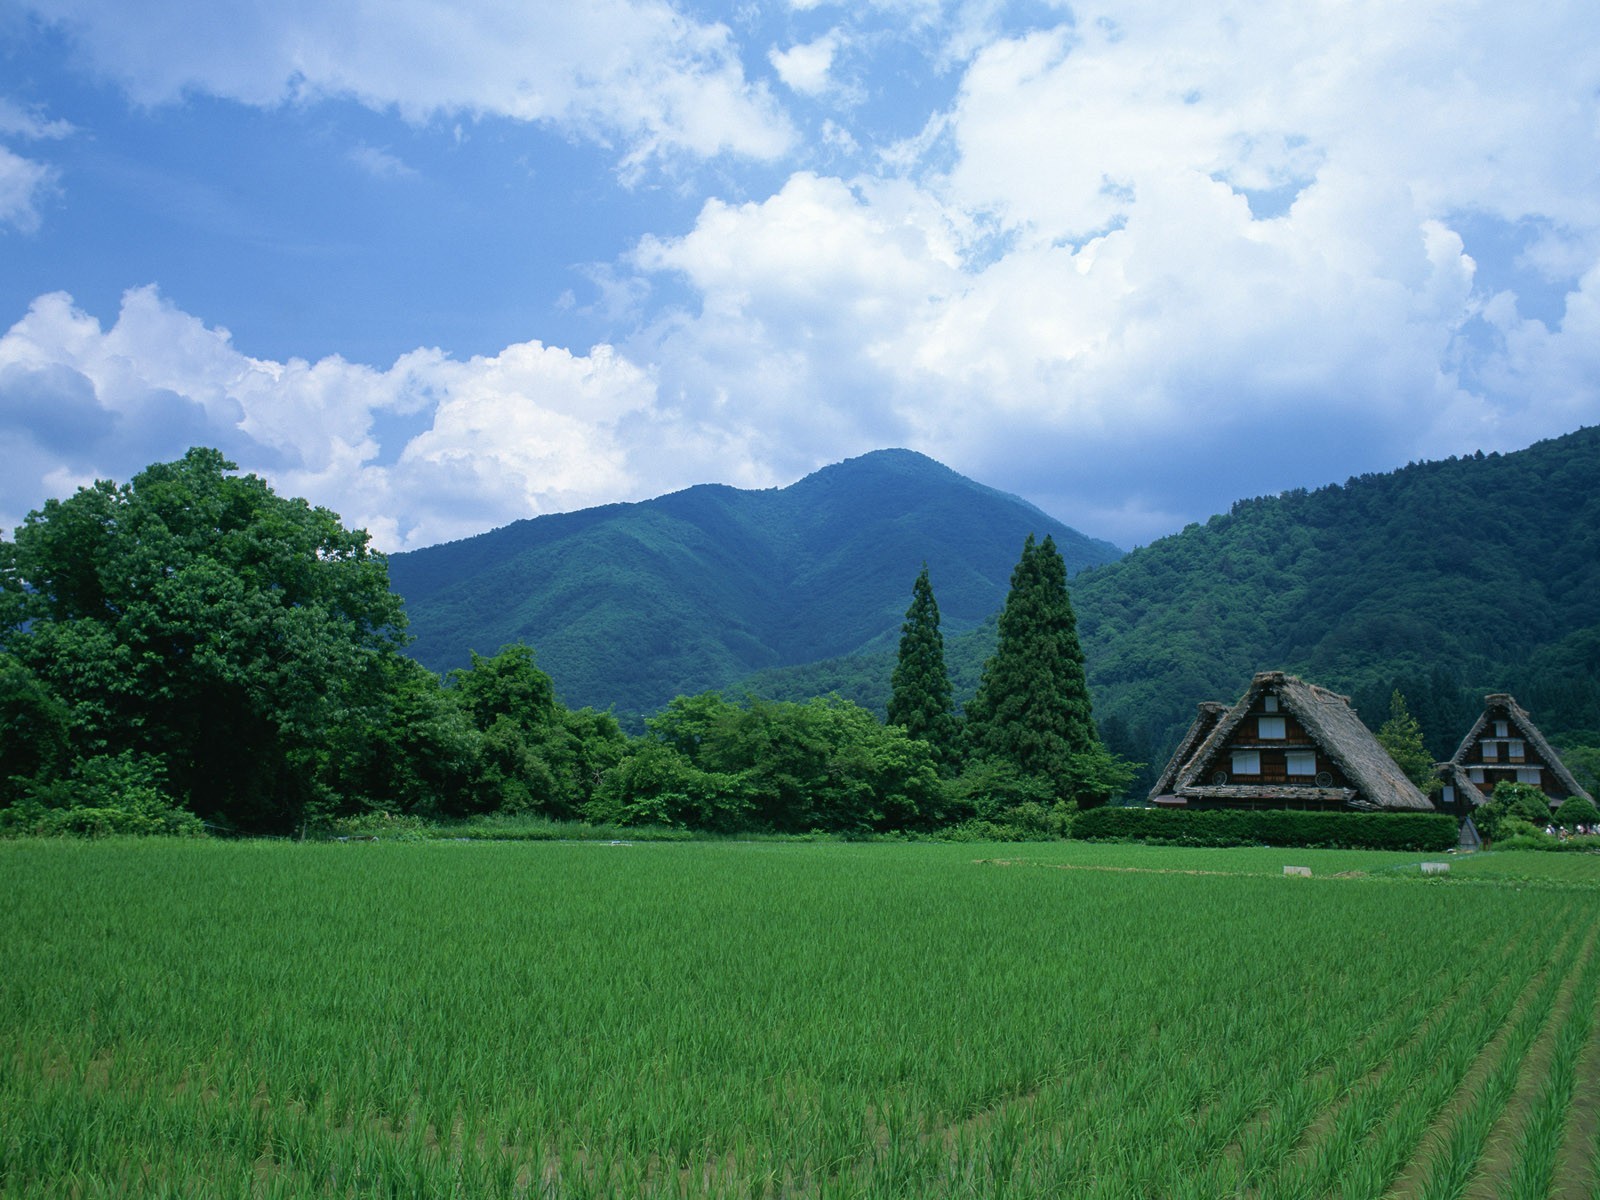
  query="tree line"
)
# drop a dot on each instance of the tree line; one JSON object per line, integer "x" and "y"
{"x": 190, "y": 647}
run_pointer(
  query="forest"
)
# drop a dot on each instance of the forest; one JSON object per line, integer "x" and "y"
{"x": 191, "y": 650}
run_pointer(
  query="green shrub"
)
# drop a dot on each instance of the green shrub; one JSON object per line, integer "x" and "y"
{"x": 390, "y": 827}
{"x": 1575, "y": 811}
{"x": 112, "y": 794}
{"x": 1271, "y": 827}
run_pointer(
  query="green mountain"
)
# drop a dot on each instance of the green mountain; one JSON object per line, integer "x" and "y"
{"x": 632, "y": 604}
{"x": 1445, "y": 579}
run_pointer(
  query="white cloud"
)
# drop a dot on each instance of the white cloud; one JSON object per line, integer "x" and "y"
{"x": 380, "y": 164}
{"x": 1086, "y": 304}
{"x": 24, "y": 184}
{"x": 1140, "y": 265}
{"x": 804, "y": 67}
{"x": 533, "y": 429}
{"x": 635, "y": 71}
{"x": 16, "y": 121}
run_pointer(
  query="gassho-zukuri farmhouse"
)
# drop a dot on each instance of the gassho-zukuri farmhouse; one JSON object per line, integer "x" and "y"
{"x": 1292, "y": 744}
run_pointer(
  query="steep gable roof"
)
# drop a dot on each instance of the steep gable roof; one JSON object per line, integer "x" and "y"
{"x": 1333, "y": 724}
{"x": 1206, "y": 716}
{"x": 1527, "y": 730}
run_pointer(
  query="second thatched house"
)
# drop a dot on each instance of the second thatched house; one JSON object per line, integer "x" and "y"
{"x": 1285, "y": 744}
{"x": 1504, "y": 745}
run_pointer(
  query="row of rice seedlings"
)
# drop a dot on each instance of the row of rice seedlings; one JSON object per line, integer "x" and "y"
{"x": 1312, "y": 1082}
{"x": 1453, "y": 1164}
{"x": 1307, "y": 1088}
{"x": 1321, "y": 1165}
{"x": 1539, "y": 1142}
{"x": 1379, "y": 1165}
{"x": 1119, "y": 1131}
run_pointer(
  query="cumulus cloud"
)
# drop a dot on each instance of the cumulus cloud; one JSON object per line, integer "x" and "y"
{"x": 636, "y": 72}
{"x": 1159, "y": 256}
{"x": 805, "y": 67}
{"x": 1139, "y": 264}
{"x": 532, "y": 429}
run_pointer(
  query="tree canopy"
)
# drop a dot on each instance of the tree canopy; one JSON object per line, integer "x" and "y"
{"x": 199, "y": 622}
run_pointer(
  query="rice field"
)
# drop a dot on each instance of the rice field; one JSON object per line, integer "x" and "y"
{"x": 788, "y": 1020}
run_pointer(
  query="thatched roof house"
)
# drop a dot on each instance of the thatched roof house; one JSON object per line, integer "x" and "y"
{"x": 1285, "y": 744}
{"x": 1504, "y": 745}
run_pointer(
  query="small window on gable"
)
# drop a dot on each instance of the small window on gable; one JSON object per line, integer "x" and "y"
{"x": 1270, "y": 728}
{"x": 1475, "y": 774}
{"x": 1269, "y": 703}
{"x": 1301, "y": 762}
{"x": 1528, "y": 775}
{"x": 1502, "y": 729}
{"x": 1516, "y": 749}
{"x": 1491, "y": 750}
{"x": 1246, "y": 762}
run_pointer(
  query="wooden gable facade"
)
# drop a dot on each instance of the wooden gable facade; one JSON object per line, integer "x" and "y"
{"x": 1504, "y": 745}
{"x": 1285, "y": 744}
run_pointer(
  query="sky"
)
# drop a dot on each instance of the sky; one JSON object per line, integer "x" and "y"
{"x": 439, "y": 265}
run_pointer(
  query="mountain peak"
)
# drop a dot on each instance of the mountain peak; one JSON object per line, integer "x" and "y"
{"x": 634, "y": 604}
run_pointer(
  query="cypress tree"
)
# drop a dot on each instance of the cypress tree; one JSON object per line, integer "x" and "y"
{"x": 920, "y": 697}
{"x": 1401, "y": 736}
{"x": 1032, "y": 709}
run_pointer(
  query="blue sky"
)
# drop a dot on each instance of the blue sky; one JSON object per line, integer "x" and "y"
{"x": 439, "y": 266}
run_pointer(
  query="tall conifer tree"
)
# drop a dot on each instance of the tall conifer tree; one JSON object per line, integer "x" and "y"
{"x": 1032, "y": 709}
{"x": 920, "y": 699}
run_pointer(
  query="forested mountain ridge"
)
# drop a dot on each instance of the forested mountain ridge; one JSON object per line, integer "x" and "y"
{"x": 632, "y": 604}
{"x": 1446, "y": 579}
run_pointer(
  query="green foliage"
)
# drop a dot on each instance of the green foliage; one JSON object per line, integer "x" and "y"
{"x": 534, "y": 755}
{"x": 1431, "y": 832}
{"x": 1521, "y": 800}
{"x": 919, "y": 691}
{"x": 774, "y": 766}
{"x": 109, "y": 794}
{"x": 1575, "y": 811}
{"x": 1401, "y": 736}
{"x": 191, "y": 616}
{"x": 657, "y": 785}
{"x": 1581, "y": 753}
{"x": 1032, "y": 709}
{"x": 35, "y": 726}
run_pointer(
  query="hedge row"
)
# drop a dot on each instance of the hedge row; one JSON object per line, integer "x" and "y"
{"x": 1428, "y": 832}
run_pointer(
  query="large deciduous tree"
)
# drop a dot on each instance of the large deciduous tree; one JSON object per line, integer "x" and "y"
{"x": 1032, "y": 708}
{"x": 920, "y": 699}
{"x": 193, "y": 618}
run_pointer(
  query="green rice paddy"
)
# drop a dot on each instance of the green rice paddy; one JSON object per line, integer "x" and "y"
{"x": 771, "y": 1019}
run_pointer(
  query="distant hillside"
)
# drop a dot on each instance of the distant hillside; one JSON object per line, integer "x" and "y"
{"x": 632, "y": 604}
{"x": 1446, "y": 579}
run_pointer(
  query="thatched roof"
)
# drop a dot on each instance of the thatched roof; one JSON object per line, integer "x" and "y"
{"x": 1333, "y": 725}
{"x": 1455, "y": 775}
{"x": 1206, "y": 716}
{"x": 1518, "y": 718}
